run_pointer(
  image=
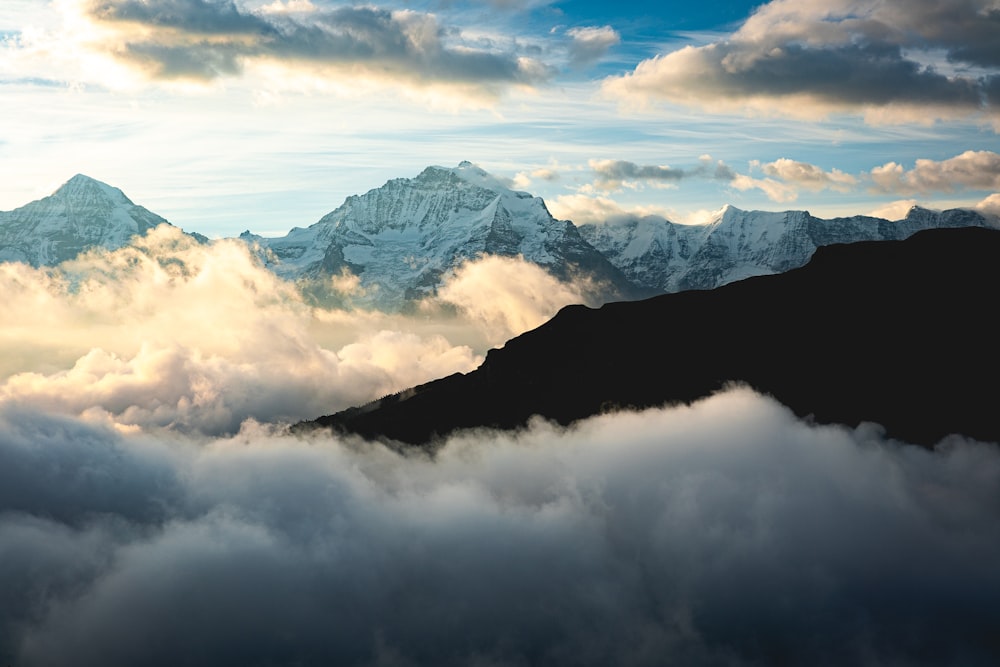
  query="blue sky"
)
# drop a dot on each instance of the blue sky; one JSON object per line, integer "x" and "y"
{"x": 265, "y": 114}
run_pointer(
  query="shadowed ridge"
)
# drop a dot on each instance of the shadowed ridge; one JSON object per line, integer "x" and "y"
{"x": 891, "y": 332}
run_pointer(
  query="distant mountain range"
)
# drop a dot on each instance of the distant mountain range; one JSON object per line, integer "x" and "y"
{"x": 898, "y": 333}
{"x": 402, "y": 239}
{"x": 658, "y": 255}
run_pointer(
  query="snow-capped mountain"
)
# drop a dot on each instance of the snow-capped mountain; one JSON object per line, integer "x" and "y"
{"x": 402, "y": 238}
{"x": 84, "y": 213}
{"x": 660, "y": 255}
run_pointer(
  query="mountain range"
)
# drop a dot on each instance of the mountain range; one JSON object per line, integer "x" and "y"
{"x": 401, "y": 240}
{"x": 893, "y": 332}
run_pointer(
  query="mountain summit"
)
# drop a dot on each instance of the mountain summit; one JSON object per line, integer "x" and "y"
{"x": 401, "y": 239}
{"x": 84, "y": 213}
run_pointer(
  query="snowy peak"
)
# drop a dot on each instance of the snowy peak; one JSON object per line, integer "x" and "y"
{"x": 402, "y": 239}
{"x": 83, "y": 213}
{"x": 81, "y": 189}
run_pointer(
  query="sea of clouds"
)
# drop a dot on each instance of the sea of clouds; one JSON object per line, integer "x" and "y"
{"x": 154, "y": 509}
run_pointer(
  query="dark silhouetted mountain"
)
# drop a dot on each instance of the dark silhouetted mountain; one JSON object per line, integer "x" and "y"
{"x": 82, "y": 214}
{"x": 899, "y": 333}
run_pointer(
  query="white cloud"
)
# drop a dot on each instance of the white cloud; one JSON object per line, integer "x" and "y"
{"x": 990, "y": 205}
{"x": 508, "y": 294}
{"x": 973, "y": 170}
{"x": 195, "y": 338}
{"x": 590, "y": 209}
{"x": 809, "y": 176}
{"x": 775, "y": 190}
{"x": 288, "y": 7}
{"x": 896, "y": 210}
{"x": 810, "y": 59}
{"x": 591, "y": 43}
{"x": 726, "y": 530}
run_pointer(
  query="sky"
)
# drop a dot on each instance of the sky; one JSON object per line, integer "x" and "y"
{"x": 155, "y": 509}
{"x": 227, "y": 115}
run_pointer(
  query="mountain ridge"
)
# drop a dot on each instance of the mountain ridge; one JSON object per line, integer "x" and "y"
{"x": 402, "y": 240}
{"x": 862, "y": 333}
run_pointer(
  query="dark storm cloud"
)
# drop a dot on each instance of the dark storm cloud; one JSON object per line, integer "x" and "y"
{"x": 201, "y": 39}
{"x": 722, "y": 533}
{"x": 808, "y": 58}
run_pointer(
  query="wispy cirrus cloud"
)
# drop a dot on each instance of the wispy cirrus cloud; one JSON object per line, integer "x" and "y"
{"x": 810, "y": 59}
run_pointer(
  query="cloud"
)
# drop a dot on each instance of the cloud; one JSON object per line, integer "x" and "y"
{"x": 613, "y": 174}
{"x": 508, "y": 294}
{"x": 774, "y": 189}
{"x": 289, "y": 7}
{"x": 524, "y": 179}
{"x": 784, "y": 178}
{"x": 171, "y": 334}
{"x": 809, "y": 176}
{"x": 974, "y": 170}
{"x": 810, "y": 59}
{"x": 589, "y": 44}
{"x": 724, "y": 532}
{"x": 201, "y": 40}
{"x": 990, "y": 205}
{"x": 896, "y": 210}
{"x": 589, "y": 209}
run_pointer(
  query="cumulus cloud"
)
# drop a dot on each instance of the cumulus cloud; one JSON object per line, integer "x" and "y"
{"x": 896, "y": 210}
{"x": 596, "y": 209}
{"x": 990, "y": 205}
{"x": 172, "y": 334}
{"x": 524, "y": 179}
{"x": 808, "y": 176}
{"x": 203, "y": 40}
{"x": 508, "y": 294}
{"x": 974, "y": 170}
{"x": 775, "y": 190}
{"x": 589, "y": 44}
{"x": 809, "y": 59}
{"x": 724, "y": 532}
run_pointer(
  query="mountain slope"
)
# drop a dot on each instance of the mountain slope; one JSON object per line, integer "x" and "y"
{"x": 894, "y": 332}
{"x": 402, "y": 238}
{"x": 84, "y": 213}
{"x": 660, "y": 255}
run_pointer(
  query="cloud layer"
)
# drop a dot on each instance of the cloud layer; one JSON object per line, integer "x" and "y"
{"x": 203, "y": 40}
{"x": 172, "y": 334}
{"x": 899, "y": 59}
{"x": 722, "y": 533}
